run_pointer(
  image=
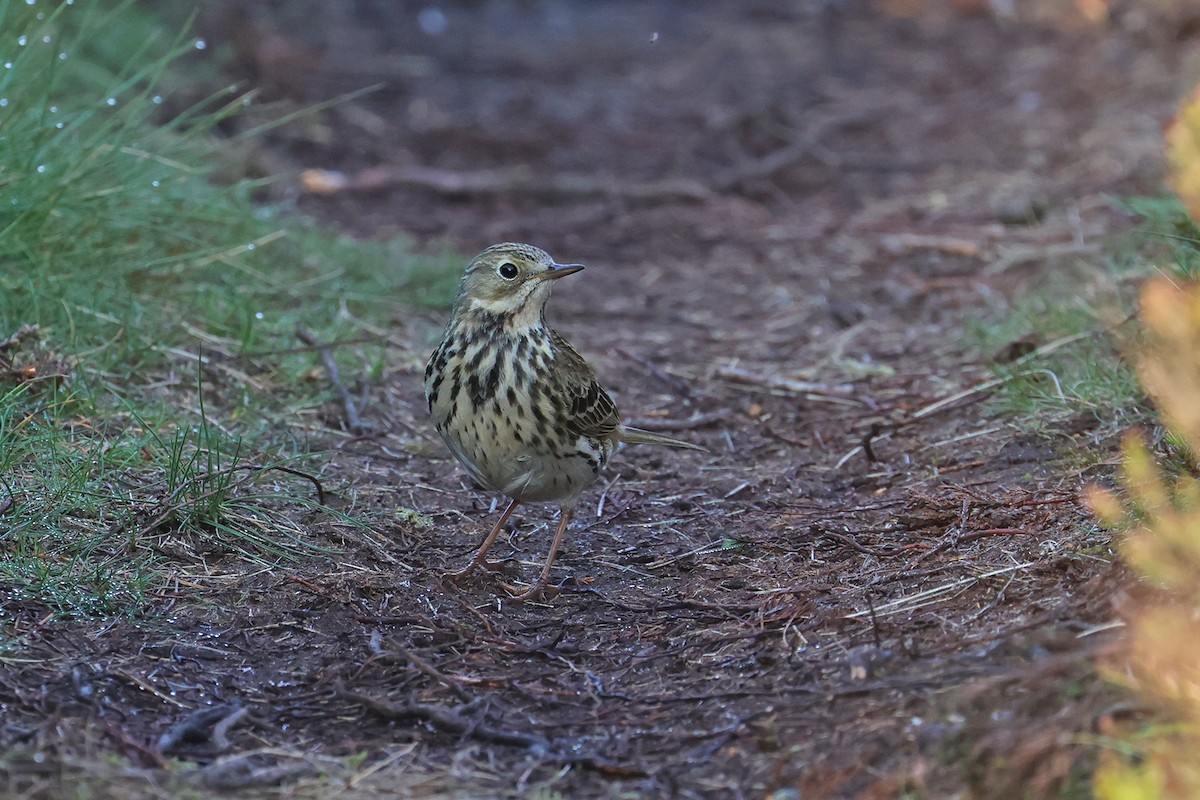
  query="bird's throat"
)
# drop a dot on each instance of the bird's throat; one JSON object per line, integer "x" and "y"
{"x": 504, "y": 314}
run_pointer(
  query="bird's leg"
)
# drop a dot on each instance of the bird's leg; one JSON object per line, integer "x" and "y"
{"x": 535, "y": 591}
{"x": 480, "y": 559}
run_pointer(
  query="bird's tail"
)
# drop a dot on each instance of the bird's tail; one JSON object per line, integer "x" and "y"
{"x": 638, "y": 436}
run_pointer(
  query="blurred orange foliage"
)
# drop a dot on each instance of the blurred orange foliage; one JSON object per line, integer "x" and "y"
{"x": 1183, "y": 153}
{"x": 1162, "y": 660}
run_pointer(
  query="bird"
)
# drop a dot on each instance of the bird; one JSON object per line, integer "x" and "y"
{"x": 516, "y": 404}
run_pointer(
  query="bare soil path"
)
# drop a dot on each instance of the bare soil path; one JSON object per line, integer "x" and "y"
{"x": 793, "y": 214}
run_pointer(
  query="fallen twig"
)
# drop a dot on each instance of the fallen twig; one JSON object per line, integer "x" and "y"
{"x": 313, "y": 479}
{"x": 308, "y": 348}
{"x": 515, "y": 180}
{"x": 842, "y": 392}
{"x": 849, "y": 540}
{"x": 453, "y": 721}
{"x": 220, "y": 731}
{"x": 973, "y": 394}
{"x": 681, "y": 387}
{"x": 354, "y": 423}
{"x": 925, "y": 596}
{"x": 963, "y": 538}
{"x": 694, "y": 421}
{"x": 807, "y": 145}
{"x": 973, "y": 535}
{"x": 210, "y": 724}
{"x": 1015, "y": 256}
{"x": 899, "y": 243}
{"x": 445, "y": 719}
{"x": 246, "y": 771}
{"x": 426, "y": 668}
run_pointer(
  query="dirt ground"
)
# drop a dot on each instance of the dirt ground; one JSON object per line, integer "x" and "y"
{"x": 793, "y": 216}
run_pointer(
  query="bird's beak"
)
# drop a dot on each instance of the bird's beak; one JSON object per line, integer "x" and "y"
{"x": 557, "y": 271}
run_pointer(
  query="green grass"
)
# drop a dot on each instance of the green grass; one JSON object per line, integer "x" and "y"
{"x": 1079, "y": 370}
{"x": 141, "y": 425}
{"x": 1080, "y": 319}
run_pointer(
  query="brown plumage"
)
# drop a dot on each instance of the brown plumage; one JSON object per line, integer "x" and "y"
{"x": 513, "y": 400}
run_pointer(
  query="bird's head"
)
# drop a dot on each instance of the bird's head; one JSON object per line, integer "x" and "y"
{"x": 511, "y": 281}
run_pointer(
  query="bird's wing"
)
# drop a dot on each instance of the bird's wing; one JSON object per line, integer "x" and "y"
{"x": 587, "y": 410}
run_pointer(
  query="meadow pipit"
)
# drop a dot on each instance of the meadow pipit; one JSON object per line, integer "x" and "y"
{"x": 518, "y": 407}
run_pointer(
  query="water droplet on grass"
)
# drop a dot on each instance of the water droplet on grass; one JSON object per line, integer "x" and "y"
{"x": 157, "y": 99}
{"x": 251, "y": 246}
{"x": 112, "y": 101}
{"x": 155, "y": 184}
{"x": 432, "y": 21}
{"x": 22, "y": 40}
{"x": 41, "y": 168}
{"x": 201, "y": 44}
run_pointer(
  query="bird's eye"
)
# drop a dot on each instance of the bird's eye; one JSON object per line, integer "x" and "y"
{"x": 507, "y": 271}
